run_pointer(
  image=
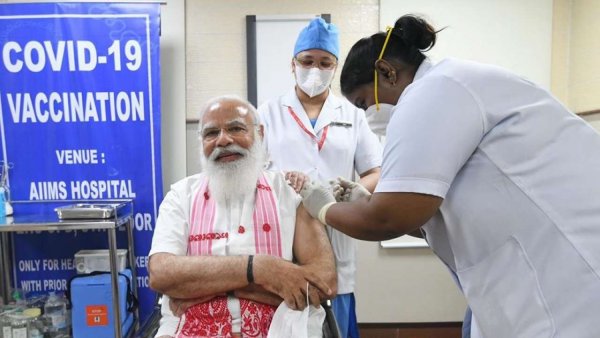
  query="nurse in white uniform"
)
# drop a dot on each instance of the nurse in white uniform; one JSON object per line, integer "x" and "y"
{"x": 500, "y": 176}
{"x": 310, "y": 130}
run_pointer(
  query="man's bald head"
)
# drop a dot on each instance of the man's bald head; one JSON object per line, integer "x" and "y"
{"x": 227, "y": 121}
{"x": 232, "y": 152}
{"x": 228, "y": 102}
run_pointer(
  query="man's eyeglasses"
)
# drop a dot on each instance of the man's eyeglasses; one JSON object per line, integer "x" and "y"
{"x": 236, "y": 130}
{"x": 324, "y": 64}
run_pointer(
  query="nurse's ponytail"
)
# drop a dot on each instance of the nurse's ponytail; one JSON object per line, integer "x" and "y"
{"x": 415, "y": 32}
{"x": 410, "y": 37}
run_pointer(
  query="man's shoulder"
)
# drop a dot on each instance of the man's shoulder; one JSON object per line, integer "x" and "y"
{"x": 188, "y": 182}
{"x": 274, "y": 177}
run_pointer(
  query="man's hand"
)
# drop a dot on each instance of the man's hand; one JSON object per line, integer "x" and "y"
{"x": 349, "y": 191}
{"x": 317, "y": 199}
{"x": 179, "y": 306}
{"x": 257, "y": 293}
{"x": 290, "y": 282}
{"x": 296, "y": 180}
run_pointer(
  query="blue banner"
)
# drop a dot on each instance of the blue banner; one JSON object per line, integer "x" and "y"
{"x": 80, "y": 120}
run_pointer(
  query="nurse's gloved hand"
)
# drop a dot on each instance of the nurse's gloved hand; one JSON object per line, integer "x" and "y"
{"x": 338, "y": 191}
{"x": 352, "y": 191}
{"x": 316, "y": 200}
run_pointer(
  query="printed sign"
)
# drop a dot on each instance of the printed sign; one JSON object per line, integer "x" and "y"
{"x": 80, "y": 120}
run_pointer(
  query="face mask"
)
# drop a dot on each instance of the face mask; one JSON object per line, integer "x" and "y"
{"x": 378, "y": 120}
{"x": 378, "y": 115}
{"x": 313, "y": 81}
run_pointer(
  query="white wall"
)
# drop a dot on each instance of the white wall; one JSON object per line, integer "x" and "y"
{"x": 514, "y": 34}
{"x": 172, "y": 92}
{"x": 575, "y": 50}
{"x": 584, "y": 60}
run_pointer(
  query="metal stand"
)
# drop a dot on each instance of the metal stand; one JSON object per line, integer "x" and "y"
{"x": 41, "y": 222}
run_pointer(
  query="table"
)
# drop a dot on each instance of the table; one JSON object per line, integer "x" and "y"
{"x": 40, "y": 216}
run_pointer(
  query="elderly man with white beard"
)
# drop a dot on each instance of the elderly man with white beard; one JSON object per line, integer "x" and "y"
{"x": 225, "y": 239}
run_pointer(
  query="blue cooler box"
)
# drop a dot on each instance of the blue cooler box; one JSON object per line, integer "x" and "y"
{"x": 92, "y": 306}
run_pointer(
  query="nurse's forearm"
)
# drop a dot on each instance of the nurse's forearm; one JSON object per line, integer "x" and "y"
{"x": 370, "y": 178}
{"x": 356, "y": 220}
{"x": 382, "y": 216}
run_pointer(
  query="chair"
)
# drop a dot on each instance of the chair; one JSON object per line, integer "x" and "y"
{"x": 150, "y": 326}
{"x": 330, "y": 327}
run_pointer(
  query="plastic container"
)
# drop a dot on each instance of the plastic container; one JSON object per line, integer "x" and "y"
{"x": 87, "y": 261}
{"x": 5, "y": 320}
{"x": 35, "y": 326}
{"x": 93, "y": 313}
{"x": 5, "y": 329}
{"x": 19, "y": 325}
{"x": 55, "y": 311}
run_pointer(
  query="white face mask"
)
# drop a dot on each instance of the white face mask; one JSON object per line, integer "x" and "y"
{"x": 378, "y": 120}
{"x": 313, "y": 81}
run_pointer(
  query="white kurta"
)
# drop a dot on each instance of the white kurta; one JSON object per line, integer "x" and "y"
{"x": 349, "y": 147}
{"x": 172, "y": 227}
{"x": 520, "y": 221}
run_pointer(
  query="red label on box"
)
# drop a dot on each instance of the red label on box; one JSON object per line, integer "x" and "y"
{"x": 96, "y": 315}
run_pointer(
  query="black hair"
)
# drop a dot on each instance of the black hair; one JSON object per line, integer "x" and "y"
{"x": 410, "y": 37}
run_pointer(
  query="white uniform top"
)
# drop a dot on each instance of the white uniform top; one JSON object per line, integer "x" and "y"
{"x": 520, "y": 220}
{"x": 172, "y": 229}
{"x": 349, "y": 147}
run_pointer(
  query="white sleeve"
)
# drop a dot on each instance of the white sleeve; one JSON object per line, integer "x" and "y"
{"x": 368, "y": 148}
{"x": 168, "y": 321}
{"x": 263, "y": 112}
{"x": 434, "y": 129}
{"x": 171, "y": 231}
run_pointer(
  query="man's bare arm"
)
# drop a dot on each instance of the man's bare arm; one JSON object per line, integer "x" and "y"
{"x": 312, "y": 249}
{"x": 258, "y": 294}
{"x": 196, "y": 276}
{"x": 185, "y": 277}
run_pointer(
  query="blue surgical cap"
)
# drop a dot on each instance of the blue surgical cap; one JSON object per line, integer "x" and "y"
{"x": 318, "y": 35}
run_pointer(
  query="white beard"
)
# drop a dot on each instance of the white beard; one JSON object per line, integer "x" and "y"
{"x": 230, "y": 181}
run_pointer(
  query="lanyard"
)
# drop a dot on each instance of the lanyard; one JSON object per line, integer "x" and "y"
{"x": 321, "y": 141}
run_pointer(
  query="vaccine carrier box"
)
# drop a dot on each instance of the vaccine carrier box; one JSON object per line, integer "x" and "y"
{"x": 92, "y": 305}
